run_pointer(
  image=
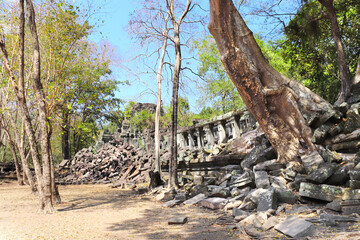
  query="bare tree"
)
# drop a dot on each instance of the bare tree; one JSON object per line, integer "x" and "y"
{"x": 283, "y": 108}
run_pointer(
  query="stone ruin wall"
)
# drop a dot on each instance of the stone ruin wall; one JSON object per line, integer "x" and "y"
{"x": 202, "y": 134}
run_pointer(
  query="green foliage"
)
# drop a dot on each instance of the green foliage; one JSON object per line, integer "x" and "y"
{"x": 142, "y": 120}
{"x": 127, "y": 111}
{"x": 310, "y": 47}
{"x": 218, "y": 90}
{"x": 185, "y": 116}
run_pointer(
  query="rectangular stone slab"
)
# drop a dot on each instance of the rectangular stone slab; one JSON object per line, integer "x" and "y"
{"x": 323, "y": 192}
{"x": 177, "y": 220}
{"x": 295, "y": 227}
{"x": 195, "y": 199}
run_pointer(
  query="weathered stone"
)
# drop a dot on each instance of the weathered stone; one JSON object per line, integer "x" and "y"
{"x": 269, "y": 166}
{"x": 285, "y": 196}
{"x": 321, "y": 133}
{"x": 331, "y": 156}
{"x": 261, "y": 179}
{"x": 235, "y": 192}
{"x": 198, "y": 180}
{"x": 256, "y": 219}
{"x": 213, "y": 203}
{"x": 321, "y": 174}
{"x": 253, "y": 231}
{"x": 240, "y": 218}
{"x": 322, "y": 192}
{"x": 354, "y": 174}
{"x": 180, "y": 196}
{"x": 353, "y": 184}
{"x": 232, "y": 205}
{"x": 195, "y": 199}
{"x": 257, "y": 155}
{"x": 165, "y": 196}
{"x": 295, "y": 227}
{"x": 241, "y": 181}
{"x": 312, "y": 161}
{"x": 352, "y": 121}
{"x": 267, "y": 201}
{"x": 347, "y": 210}
{"x": 339, "y": 177}
{"x": 278, "y": 182}
{"x": 177, "y": 220}
{"x": 142, "y": 190}
{"x": 63, "y": 163}
{"x": 239, "y": 212}
{"x": 337, "y": 218}
{"x": 255, "y": 195}
{"x": 197, "y": 189}
{"x": 270, "y": 223}
{"x": 248, "y": 206}
{"x": 220, "y": 192}
{"x": 171, "y": 203}
{"x": 334, "y": 205}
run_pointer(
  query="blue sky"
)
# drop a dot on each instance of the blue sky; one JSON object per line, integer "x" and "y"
{"x": 115, "y": 15}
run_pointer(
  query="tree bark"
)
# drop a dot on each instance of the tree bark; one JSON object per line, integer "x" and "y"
{"x": 43, "y": 120}
{"x": 158, "y": 104}
{"x": 65, "y": 137}
{"x": 357, "y": 74}
{"x": 283, "y": 108}
{"x": 173, "y": 180}
{"x": 16, "y": 162}
{"x": 346, "y": 82}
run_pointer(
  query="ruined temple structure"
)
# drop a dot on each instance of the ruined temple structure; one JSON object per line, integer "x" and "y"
{"x": 202, "y": 134}
{"x": 220, "y": 129}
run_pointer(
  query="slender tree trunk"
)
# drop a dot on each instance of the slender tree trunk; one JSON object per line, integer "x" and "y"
{"x": 357, "y": 74}
{"x": 158, "y": 104}
{"x": 344, "y": 69}
{"x": 282, "y": 107}
{"x": 16, "y": 162}
{"x": 3, "y": 153}
{"x": 43, "y": 120}
{"x": 65, "y": 137}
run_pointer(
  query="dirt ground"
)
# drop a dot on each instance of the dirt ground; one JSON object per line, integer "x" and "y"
{"x": 101, "y": 212}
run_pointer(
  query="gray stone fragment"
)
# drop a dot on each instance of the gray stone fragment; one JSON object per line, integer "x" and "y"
{"x": 285, "y": 196}
{"x": 269, "y": 166}
{"x": 295, "y": 227}
{"x": 239, "y": 212}
{"x": 321, "y": 174}
{"x": 339, "y": 177}
{"x": 354, "y": 174}
{"x": 271, "y": 222}
{"x": 198, "y": 180}
{"x": 334, "y": 205}
{"x": 213, "y": 203}
{"x": 180, "y": 196}
{"x": 197, "y": 189}
{"x": 322, "y": 192}
{"x": 312, "y": 161}
{"x": 337, "y": 218}
{"x": 241, "y": 181}
{"x": 331, "y": 156}
{"x": 220, "y": 192}
{"x": 195, "y": 199}
{"x": 255, "y": 195}
{"x": 259, "y": 154}
{"x": 261, "y": 179}
{"x": 177, "y": 220}
{"x": 267, "y": 201}
{"x": 278, "y": 182}
{"x": 353, "y": 184}
{"x": 248, "y": 206}
{"x": 171, "y": 203}
{"x": 347, "y": 210}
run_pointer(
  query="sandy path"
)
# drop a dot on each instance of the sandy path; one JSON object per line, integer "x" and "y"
{"x": 100, "y": 212}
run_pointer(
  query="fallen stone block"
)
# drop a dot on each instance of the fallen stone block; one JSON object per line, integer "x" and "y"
{"x": 213, "y": 203}
{"x": 337, "y": 218}
{"x": 177, "y": 220}
{"x": 171, "y": 203}
{"x": 239, "y": 212}
{"x": 261, "y": 179}
{"x": 350, "y": 206}
{"x": 270, "y": 223}
{"x": 232, "y": 205}
{"x": 354, "y": 175}
{"x": 295, "y": 227}
{"x": 334, "y": 205}
{"x": 339, "y": 177}
{"x": 266, "y": 201}
{"x": 195, "y": 199}
{"x": 180, "y": 196}
{"x": 321, "y": 174}
{"x": 278, "y": 182}
{"x": 322, "y": 192}
{"x": 286, "y": 196}
{"x": 353, "y": 184}
{"x": 271, "y": 165}
{"x": 312, "y": 161}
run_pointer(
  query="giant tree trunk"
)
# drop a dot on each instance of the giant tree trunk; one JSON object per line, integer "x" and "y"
{"x": 283, "y": 108}
{"x": 345, "y": 80}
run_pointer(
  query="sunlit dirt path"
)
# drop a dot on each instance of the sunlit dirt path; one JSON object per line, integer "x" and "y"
{"x": 100, "y": 212}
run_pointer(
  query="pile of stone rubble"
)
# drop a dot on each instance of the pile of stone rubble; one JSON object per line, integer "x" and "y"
{"x": 264, "y": 195}
{"x": 115, "y": 162}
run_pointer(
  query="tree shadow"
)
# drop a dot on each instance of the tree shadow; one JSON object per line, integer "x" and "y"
{"x": 117, "y": 200}
{"x": 153, "y": 224}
